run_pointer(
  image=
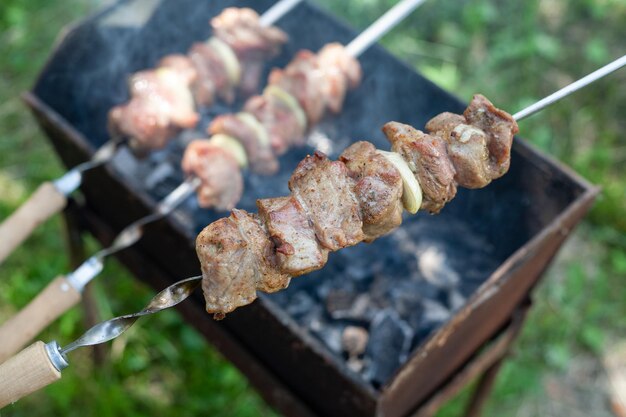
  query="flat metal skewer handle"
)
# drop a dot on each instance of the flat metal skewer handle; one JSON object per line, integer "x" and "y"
{"x": 66, "y": 291}
{"x": 49, "y": 199}
{"x": 41, "y": 364}
{"x": 569, "y": 89}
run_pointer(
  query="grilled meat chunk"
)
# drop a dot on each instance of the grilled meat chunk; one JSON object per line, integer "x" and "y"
{"x": 258, "y": 149}
{"x": 444, "y": 123}
{"x": 252, "y": 43}
{"x": 428, "y": 159}
{"x": 467, "y": 147}
{"x": 324, "y": 190}
{"x": 222, "y": 184}
{"x": 160, "y": 105}
{"x": 278, "y": 118}
{"x": 238, "y": 259}
{"x": 341, "y": 72}
{"x": 213, "y": 77}
{"x": 479, "y": 142}
{"x": 500, "y": 128}
{"x": 302, "y": 78}
{"x": 182, "y": 65}
{"x": 377, "y": 186}
{"x": 297, "y": 249}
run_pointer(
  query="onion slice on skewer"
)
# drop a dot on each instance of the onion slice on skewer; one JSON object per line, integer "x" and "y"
{"x": 411, "y": 190}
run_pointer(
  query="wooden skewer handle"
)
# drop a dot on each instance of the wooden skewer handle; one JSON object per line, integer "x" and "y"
{"x": 58, "y": 297}
{"x": 27, "y": 372}
{"x": 45, "y": 202}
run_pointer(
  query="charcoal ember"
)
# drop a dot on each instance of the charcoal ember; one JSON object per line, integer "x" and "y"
{"x": 162, "y": 180}
{"x": 354, "y": 340}
{"x": 360, "y": 266}
{"x": 467, "y": 288}
{"x": 379, "y": 291}
{"x": 434, "y": 315}
{"x": 408, "y": 301}
{"x": 455, "y": 300}
{"x": 299, "y": 305}
{"x": 355, "y": 364}
{"x": 361, "y": 310}
{"x": 313, "y": 319}
{"x": 330, "y": 333}
{"x": 125, "y": 162}
{"x": 339, "y": 301}
{"x": 436, "y": 268}
{"x": 337, "y": 289}
{"x": 388, "y": 346}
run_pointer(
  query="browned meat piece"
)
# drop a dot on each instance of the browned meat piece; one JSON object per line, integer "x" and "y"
{"x": 341, "y": 70}
{"x": 142, "y": 124}
{"x": 222, "y": 184}
{"x": 324, "y": 190}
{"x": 378, "y": 187}
{"x": 467, "y": 148}
{"x": 160, "y": 105}
{"x": 237, "y": 258}
{"x": 302, "y": 78}
{"x": 297, "y": 249}
{"x": 500, "y": 128}
{"x": 252, "y": 43}
{"x": 212, "y": 75}
{"x": 468, "y": 144}
{"x": 443, "y": 124}
{"x": 281, "y": 122}
{"x": 182, "y": 65}
{"x": 428, "y": 159}
{"x": 258, "y": 149}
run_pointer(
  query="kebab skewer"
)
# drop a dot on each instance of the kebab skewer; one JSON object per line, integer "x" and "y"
{"x": 360, "y": 197}
{"x": 215, "y": 164}
{"x": 41, "y": 364}
{"x": 163, "y": 103}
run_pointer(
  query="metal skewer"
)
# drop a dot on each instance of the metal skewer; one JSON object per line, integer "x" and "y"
{"x": 51, "y": 196}
{"x": 569, "y": 89}
{"x": 66, "y": 291}
{"x": 41, "y": 364}
{"x": 381, "y": 26}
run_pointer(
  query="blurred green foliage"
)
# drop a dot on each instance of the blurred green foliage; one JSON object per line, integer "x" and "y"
{"x": 514, "y": 52}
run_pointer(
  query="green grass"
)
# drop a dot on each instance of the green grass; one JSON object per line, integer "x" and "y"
{"x": 513, "y": 52}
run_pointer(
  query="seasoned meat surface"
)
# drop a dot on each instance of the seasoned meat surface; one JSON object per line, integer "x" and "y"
{"x": 377, "y": 186}
{"x": 182, "y": 65}
{"x": 237, "y": 256}
{"x": 282, "y": 124}
{"x": 500, "y": 128}
{"x": 160, "y": 105}
{"x": 341, "y": 71}
{"x": 297, "y": 249}
{"x": 251, "y": 42}
{"x": 324, "y": 190}
{"x": 222, "y": 184}
{"x": 428, "y": 159}
{"x": 302, "y": 78}
{"x": 212, "y": 75}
